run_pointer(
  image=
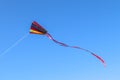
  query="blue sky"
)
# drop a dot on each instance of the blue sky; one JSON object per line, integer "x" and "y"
{"x": 91, "y": 24}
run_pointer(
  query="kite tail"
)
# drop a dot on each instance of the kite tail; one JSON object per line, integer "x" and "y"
{"x": 65, "y": 45}
{"x": 98, "y": 57}
{"x": 60, "y": 43}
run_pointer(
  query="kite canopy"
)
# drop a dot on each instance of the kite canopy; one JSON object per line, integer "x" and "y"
{"x": 37, "y": 29}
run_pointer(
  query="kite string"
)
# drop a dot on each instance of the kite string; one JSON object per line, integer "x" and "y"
{"x": 65, "y": 45}
{"x": 13, "y": 45}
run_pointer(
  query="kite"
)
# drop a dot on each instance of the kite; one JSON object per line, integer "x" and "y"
{"x": 38, "y": 29}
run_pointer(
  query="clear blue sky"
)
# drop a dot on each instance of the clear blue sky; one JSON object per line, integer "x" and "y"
{"x": 91, "y": 24}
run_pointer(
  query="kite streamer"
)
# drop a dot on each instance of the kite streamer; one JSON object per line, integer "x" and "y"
{"x": 38, "y": 29}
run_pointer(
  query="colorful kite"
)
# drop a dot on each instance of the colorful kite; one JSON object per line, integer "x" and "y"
{"x": 38, "y": 29}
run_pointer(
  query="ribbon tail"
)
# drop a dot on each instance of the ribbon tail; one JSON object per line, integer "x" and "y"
{"x": 65, "y": 45}
{"x": 60, "y": 43}
{"x": 98, "y": 57}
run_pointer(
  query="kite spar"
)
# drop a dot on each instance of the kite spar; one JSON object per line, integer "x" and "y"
{"x": 38, "y": 29}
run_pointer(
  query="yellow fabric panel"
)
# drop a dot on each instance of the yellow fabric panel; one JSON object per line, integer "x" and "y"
{"x": 36, "y": 32}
